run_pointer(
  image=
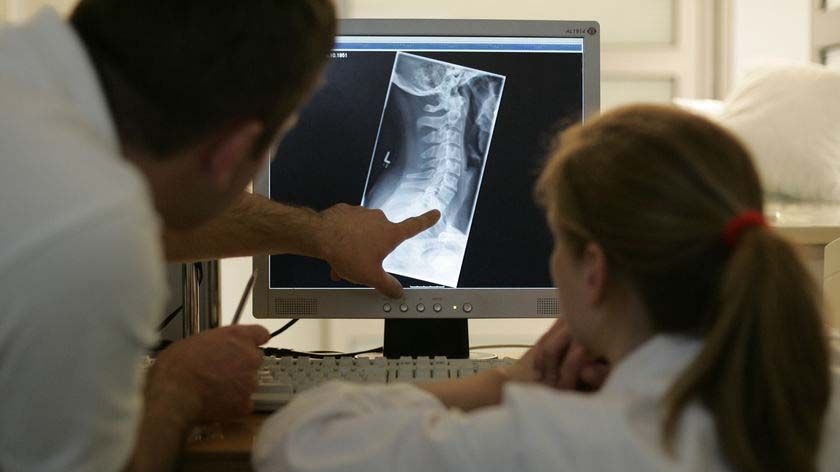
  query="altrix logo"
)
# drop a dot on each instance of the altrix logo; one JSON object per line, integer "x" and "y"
{"x": 590, "y": 31}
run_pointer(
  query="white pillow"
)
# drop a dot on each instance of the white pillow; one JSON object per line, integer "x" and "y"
{"x": 789, "y": 117}
{"x": 711, "y": 109}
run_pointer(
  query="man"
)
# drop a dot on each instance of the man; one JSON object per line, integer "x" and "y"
{"x": 134, "y": 117}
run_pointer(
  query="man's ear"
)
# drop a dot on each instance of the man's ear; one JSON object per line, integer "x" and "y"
{"x": 595, "y": 272}
{"x": 236, "y": 144}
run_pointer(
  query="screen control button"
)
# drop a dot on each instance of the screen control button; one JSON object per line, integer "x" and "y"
{"x": 468, "y": 307}
{"x": 403, "y": 308}
{"x": 421, "y": 308}
{"x": 386, "y": 308}
{"x": 437, "y": 307}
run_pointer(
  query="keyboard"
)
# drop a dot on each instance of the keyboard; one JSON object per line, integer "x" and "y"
{"x": 281, "y": 378}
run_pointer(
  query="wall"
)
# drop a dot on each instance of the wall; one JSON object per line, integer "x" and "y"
{"x": 20, "y": 9}
{"x": 765, "y": 31}
{"x": 651, "y": 52}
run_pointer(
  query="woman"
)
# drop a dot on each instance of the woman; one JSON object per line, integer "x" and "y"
{"x": 664, "y": 267}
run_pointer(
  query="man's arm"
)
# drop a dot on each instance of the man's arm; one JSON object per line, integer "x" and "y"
{"x": 204, "y": 378}
{"x": 352, "y": 240}
{"x": 163, "y": 429}
{"x": 252, "y": 225}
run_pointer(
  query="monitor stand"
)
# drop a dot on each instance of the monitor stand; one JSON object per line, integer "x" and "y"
{"x": 428, "y": 337}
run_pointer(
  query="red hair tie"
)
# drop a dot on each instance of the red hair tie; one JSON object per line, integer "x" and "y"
{"x": 736, "y": 227}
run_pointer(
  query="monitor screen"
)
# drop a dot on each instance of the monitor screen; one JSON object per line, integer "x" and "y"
{"x": 462, "y": 124}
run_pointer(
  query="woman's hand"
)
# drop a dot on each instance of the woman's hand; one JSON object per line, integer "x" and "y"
{"x": 559, "y": 362}
{"x": 555, "y": 361}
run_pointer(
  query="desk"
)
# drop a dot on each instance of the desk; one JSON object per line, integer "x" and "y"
{"x": 227, "y": 447}
{"x": 805, "y": 223}
{"x": 224, "y": 447}
{"x": 812, "y": 226}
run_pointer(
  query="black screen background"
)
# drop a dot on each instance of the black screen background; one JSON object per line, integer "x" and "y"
{"x": 326, "y": 158}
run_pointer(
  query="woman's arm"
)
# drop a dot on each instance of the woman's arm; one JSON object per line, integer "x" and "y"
{"x": 555, "y": 361}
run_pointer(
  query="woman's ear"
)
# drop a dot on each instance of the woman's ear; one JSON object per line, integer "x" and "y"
{"x": 595, "y": 273}
{"x": 231, "y": 148}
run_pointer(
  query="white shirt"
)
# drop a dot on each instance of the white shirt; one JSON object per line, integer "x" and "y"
{"x": 81, "y": 264}
{"x": 342, "y": 427}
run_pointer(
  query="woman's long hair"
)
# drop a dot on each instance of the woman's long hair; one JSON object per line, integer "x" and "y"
{"x": 655, "y": 187}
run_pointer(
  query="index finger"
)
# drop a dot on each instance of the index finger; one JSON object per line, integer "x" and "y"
{"x": 413, "y": 226}
{"x": 388, "y": 285}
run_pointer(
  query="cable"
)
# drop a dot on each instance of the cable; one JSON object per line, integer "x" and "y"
{"x": 169, "y": 318}
{"x": 160, "y": 346}
{"x": 284, "y": 328}
{"x": 275, "y": 352}
{"x": 270, "y": 351}
{"x": 502, "y": 346}
{"x": 199, "y": 269}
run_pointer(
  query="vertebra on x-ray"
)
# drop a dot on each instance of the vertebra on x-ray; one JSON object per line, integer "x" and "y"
{"x": 431, "y": 151}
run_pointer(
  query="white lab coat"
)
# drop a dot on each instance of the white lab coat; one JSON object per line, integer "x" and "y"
{"x": 81, "y": 264}
{"x": 343, "y": 427}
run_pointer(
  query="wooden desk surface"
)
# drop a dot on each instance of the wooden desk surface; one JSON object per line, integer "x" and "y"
{"x": 222, "y": 447}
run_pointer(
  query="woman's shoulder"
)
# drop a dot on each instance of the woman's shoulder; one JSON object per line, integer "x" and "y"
{"x": 617, "y": 430}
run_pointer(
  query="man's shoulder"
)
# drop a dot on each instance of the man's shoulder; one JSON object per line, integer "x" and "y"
{"x": 48, "y": 200}
{"x": 59, "y": 175}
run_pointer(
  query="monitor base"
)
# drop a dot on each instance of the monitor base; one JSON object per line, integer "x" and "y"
{"x": 428, "y": 337}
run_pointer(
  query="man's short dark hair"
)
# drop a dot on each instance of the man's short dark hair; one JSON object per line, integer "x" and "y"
{"x": 175, "y": 71}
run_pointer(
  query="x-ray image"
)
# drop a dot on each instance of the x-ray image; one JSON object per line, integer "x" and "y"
{"x": 433, "y": 143}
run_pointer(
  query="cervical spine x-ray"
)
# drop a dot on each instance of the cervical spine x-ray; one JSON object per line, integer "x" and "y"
{"x": 432, "y": 148}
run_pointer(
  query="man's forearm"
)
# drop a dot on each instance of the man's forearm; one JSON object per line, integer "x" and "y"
{"x": 160, "y": 439}
{"x": 353, "y": 240}
{"x": 253, "y": 225}
{"x": 169, "y": 411}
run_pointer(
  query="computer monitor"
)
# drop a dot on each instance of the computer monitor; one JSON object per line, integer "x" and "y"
{"x": 446, "y": 114}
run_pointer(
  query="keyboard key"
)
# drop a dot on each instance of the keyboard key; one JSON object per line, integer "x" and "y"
{"x": 405, "y": 374}
{"x": 422, "y": 375}
{"x": 276, "y": 387}
{"x": 378, "y": 376}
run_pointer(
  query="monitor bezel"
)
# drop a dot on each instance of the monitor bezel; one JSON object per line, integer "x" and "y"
{"x": 484, "y": 302}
